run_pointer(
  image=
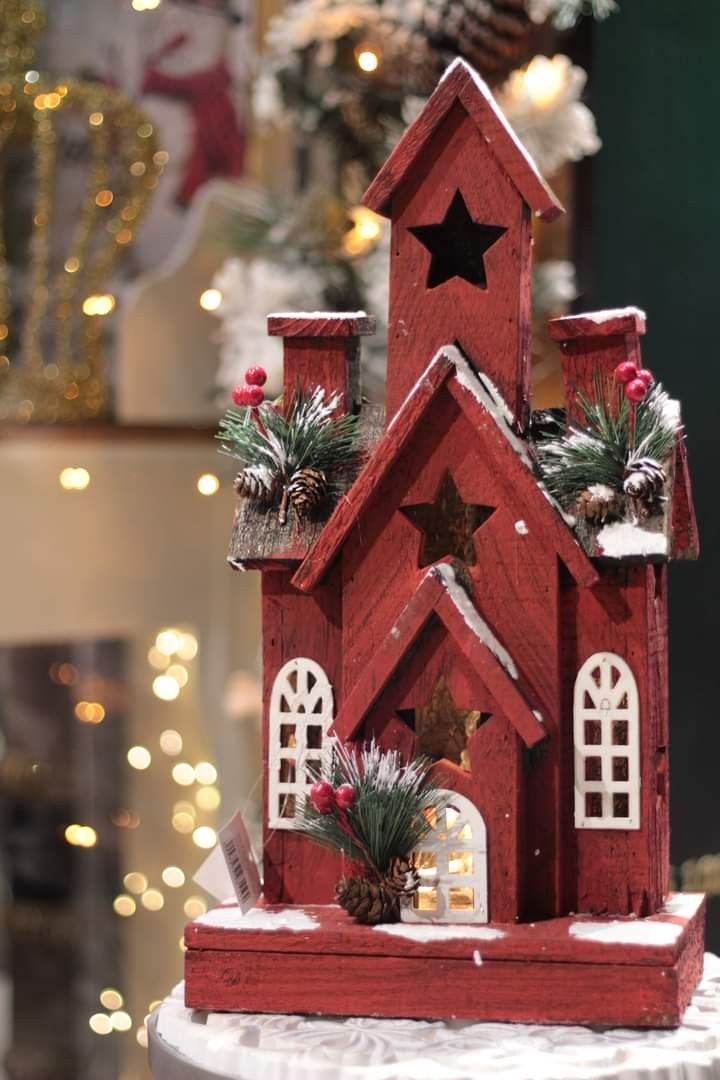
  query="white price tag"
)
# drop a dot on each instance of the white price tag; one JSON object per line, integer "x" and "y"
{"x": 243, "y": 868}
{"x": 231, "y": 867}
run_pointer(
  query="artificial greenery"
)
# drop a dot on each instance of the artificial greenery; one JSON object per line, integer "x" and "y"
{"x": 615, "y": 434}
{"x": 279, "y": 450}
{"x": 395, "y": 807}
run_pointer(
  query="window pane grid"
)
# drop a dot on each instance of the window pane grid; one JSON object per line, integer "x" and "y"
{"x": 448, "y": 893}
{"x": 301, "y": 712}
{"x": 607, "y": 774}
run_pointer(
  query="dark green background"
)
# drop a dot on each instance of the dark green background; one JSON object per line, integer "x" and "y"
{"x": 652, "y": 203}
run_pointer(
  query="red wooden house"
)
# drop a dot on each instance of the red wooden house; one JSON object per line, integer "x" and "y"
{"x": 448, "y": 607}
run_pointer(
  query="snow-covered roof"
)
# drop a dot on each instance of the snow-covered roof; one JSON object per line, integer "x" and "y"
{"x": 441, "y": 592}
{"x": 462, "y": 83}
{"x": 476, "y": 390}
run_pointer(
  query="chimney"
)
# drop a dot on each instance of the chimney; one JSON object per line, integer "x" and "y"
{"x": 595, "y": 341}
{"x": 322, "y": 349}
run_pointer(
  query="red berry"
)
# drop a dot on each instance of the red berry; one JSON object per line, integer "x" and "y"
{"x": 322, "y": 796}
{"x": 240, "y": 395}
{"x": 635, "y": 390}
{"x": 646, "y": 376}
{"x": 254, "y": 395}
{"x": 256, "y": 376}
{"x": 626, "y": 371}
{"x": 344, "y": 796}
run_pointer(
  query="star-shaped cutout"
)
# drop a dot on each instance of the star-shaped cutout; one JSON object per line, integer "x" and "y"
{"x": 457, "y": 245}
{"x": 448, "y": 525}
{"x": 441, "y": 728}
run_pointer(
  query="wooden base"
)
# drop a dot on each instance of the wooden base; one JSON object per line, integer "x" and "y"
{"x": 574, "y": 970}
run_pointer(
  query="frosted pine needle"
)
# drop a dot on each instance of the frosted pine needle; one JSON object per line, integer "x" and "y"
{"x": 394, "y": 809}
{"x": 611, "y": 439}
{"x": 279, "y": 447}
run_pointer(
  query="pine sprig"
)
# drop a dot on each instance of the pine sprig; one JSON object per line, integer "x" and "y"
{"x": 394, "y": 808}
{"x": 611, "y": 439}
{"x": 277, "y": 448}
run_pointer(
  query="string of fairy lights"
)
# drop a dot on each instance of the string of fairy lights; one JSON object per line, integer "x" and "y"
{"x": 170, "y": 658}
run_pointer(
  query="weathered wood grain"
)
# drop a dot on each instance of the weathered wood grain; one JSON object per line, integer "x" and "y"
{"x": 430, "y": 596}
{"x": 320, "y": 324}
{"x": 259, "y": 541}
{"x": 685, "y": 539}
{"x": 296, "y": 870}
{"x": 521, "y": 488}
{"x": 461, "y": 143}
{"x": 616, "y": 870}
{"x": 532, "y": 974}
{"x": 408, "y": 158}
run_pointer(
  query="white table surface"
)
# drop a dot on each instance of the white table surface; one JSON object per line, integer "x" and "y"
{"x": 193, "y": 1045}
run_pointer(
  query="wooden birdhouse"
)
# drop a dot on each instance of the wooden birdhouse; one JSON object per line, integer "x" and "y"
{"x": 487, "y": 591}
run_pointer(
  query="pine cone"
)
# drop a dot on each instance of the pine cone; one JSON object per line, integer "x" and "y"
{"x": 254, "y": 483}
{"x": 306, "y": 490}
{"x": 493, "y": 35}
{"x": 367, "y": 901}
{"x": 599, "y": 503}
{"x": 402, "y": 878}
{"x": 643, "y": 484}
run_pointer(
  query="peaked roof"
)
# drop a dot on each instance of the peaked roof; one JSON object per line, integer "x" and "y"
{"x": 441, "y": 592}
{"x": 461, "y": 83}
{"x": 485, "y": 410}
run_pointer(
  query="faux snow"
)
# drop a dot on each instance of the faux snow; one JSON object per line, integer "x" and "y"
{"x": 318, "y": 315}
{"x": 521, "y": 528}
{"x": 683, "y": 905}
{"x": 631, "y": 932}
{"x": 608, "y": 314}
{"x": 622, "y": 539}
{"x": 429, "y": 932}
{"x": 601, "y": 491}
{"x": 487, "y": 395}
{"x": 232, "y": 918}
{"x": 471, "y": 616}
{"x": 484, "y": 89}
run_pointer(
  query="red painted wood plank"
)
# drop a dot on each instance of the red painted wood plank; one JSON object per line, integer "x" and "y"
{"x": 462, "y": 83}
{"x": 622, "y": 871}
{"x": 432, "y": 594}
{"x": 375, "y": 676}
{"x": 316, "y": 972}
{"x": 630, "y": 320}
{"x": 503, "y": 687}
{"x": 628, "y": 995}
{"x": 295, "y": 869}
{"x": 547, "y": 940}
{"x": 525, "y": 487}
{"x": 348, "y": 510}
{"x": 588, "y": 346}
{"x": 332, "y": 363}
{"x": 519, "y": 475}
{"x": 320, "y": 324}
{"x": 490, "y": 325}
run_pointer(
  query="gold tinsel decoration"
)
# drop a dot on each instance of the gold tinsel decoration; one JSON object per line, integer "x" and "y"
{"x": 51, "y": 359}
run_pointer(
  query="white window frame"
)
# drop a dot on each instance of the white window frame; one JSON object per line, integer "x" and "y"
{"x": 444, "y": 840}
{"x": 296, "y": 707}
{"x": 610, "y": 685}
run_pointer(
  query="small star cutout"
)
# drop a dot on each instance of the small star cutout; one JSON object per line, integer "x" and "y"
{"x": 448, "y": 525}
{"x": 457, "y": 245}
{"x": 442, "y": 729}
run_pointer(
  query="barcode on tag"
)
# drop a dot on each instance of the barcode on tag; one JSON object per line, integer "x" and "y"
{"x": 240, "y": 861}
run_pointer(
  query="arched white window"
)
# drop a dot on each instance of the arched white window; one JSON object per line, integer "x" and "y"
{"x": 453, "y": 868}
{"x": 301, "y": 711}
{"x": 607, "y": 759}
